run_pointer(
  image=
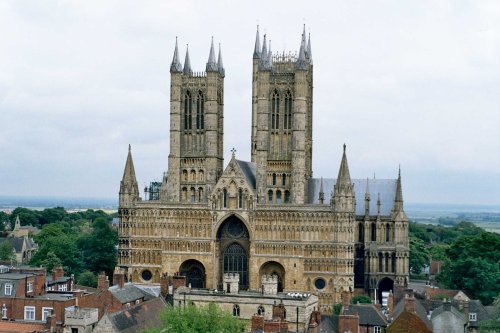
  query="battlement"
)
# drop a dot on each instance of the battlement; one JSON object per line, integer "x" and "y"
{"x": 231, "y": 283}
{"x": 269, "y": 278}
{"x": 231, "y": 277}
{"x": 269, "y": 284}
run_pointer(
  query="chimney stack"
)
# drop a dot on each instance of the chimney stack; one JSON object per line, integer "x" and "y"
{"x": 57, "y": 272}
{"x": 102, "y": 282}
{"x": 409, "y": 303}
{"x": 119, "y": 277}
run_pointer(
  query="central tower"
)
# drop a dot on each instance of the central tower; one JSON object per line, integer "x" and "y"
{"x": 196, "y": 156}
{"x": 282, "y": 89}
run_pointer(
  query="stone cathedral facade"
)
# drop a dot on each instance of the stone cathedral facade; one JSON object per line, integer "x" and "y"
{"x": 264, "y": 216}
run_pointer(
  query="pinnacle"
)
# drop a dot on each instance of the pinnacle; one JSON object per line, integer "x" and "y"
{"x": 256, "y": 51}
{"x": 211, "y": 64}
{"x": 187, "y": 64}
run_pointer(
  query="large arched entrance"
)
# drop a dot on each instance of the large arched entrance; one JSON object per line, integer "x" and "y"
{"x": 274, "y": 268}
{"x": 194, "y": 271}
{"x": 234, "y": 245}
{"x": 386, "y": 284}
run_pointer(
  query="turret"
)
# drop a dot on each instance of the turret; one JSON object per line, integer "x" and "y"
{"x": 367, "y": 200}
{"x": 211, "y": 64}
{"x": 187, "y": 64}
{"x": 176, "y": 66}
{"x": 343, "y": 193}
{"x": 222, "y": 72}
{"x": 129, "y": 190}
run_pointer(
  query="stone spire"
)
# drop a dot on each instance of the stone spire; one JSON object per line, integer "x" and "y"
{"x": 343, "y": 193}
{"x": 176, "y": 66}
{"x": 256, "y": 50}
{"x": 264, "y": 62}
{"x": 321, "y": 193}
{"x": 129, "y": 190}
{"x": 211, "y": 64}
{"x": 187, "y": 64}
{"x": 309, "y": 52}
{"x": 367, "y": 199}
{"x": 398, "y": 200}
{"x": 301, "y": 61}
{"x": 219, "y": 63}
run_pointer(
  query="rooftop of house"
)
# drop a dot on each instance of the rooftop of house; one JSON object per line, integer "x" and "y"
{"x": 246, "y": 293}
{"x": 17, "y": 326}
{"x": 129, "y": 293}
{"x": 420, "y": 311}
{"x": 369, "y": 314}
{"x": 408, "y": 322}
{"x": 146, "y": 314}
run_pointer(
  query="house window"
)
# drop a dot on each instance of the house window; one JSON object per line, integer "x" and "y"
{"x": 30, "y": 287}
{"x": 236, "y": 310}
{"x": 472, "y": 316}
{"x": 62, "y": 287}
{"x": 8, "y": 289}
{"x": 46, "y": 312}
{"x": 29, "y": 313}
{"x": 4, "y": 311}
{"x": 261, "y": 311}
{"x": 137, "y": 301}
{"x": 377, "y": 329}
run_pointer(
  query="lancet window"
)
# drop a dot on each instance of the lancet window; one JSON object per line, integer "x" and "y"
{"x": 188, "y": 108}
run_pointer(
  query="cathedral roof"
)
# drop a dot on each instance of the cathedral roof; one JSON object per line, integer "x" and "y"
{"x": 249, "y": 169}
{"x": 386, "y": 188}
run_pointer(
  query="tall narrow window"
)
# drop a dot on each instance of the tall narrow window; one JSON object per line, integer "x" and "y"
{"x": 361, "y": 233}
{"x": 283, "y": 179}
{"x": 380, "y": 262}
{"x": 387, "y": 232}
{"x": 188, "y": 108}
{"x": 236, "y": 310}
{"x": 374, "y": 232}
{"x": 224, "y": 198}
{"x": 240, "y": 198}
{"x": 287, "y": 124}
{"x": 287, "y": 196}
{"x": 278, "y": 197}
{"x": 200, "y": 194}
{"x": 192, "y": 194}
{"x": 274, "y": 179}
{"x": 393, "y": 262}
{"x": 270, "y": 195}
{"x": 275, "y": 109}
{"x": 200, "y": 111}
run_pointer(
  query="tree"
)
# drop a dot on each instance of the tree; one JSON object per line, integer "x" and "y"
{"x": 363, "y": 299}
{"x": 419, "y": 255}
{"x": 208, "y": 319}
{"x": 6, "y": 251}
{"x": 51, "y": 261}
{"x": 99, "y": 247}
{"x": 87, "y": 279}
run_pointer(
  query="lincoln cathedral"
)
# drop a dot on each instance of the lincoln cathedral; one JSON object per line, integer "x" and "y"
{"x": 266, "y": 216}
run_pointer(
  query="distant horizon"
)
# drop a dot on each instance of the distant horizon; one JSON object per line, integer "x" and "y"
{"x": 107, "y": 201}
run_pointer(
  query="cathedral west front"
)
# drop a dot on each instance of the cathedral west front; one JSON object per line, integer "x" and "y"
{"x": 266, "y": 216}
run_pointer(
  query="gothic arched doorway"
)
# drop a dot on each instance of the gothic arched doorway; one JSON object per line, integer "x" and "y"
{"x": 234, "y": 245}
{"x": 194, "y": 271}
{"x": 274, "y": 268}
{"x": 386, "y": 284}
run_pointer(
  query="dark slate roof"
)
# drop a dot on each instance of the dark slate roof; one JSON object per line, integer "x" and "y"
{"x": 61, "y": 279}
{"x": 16, "y": 242}
{"x": 368, "y": 314}
{"x": 453, "y": 310}
{"x": 140, "y": 316}
{"x": 129, "y": 293}
{"x": 475, "y": 306}
{"x": 420, "y": 310}
{"x": 249, "y": 169}
{"x": 386, "y": 188}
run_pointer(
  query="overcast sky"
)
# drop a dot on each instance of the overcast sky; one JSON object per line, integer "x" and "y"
{"x": 415, "y": 83}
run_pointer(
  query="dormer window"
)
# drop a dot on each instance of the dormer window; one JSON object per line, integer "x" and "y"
{"x": 472, "y": 316}
{"x": 8, "y": 289}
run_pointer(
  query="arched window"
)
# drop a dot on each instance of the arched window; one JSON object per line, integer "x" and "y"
{"x": 278, "y": 197}
{"x": 261, "y": 311}
{"x": 393, "y": 262}
{"x": 201, "y": 175}
{"x": 200, "y": 111}
{"x": 224, "y": 198}
{"x": 200, "y": 194}
{"x": 184, "y": 194}
{"x": 380, "y": 262}
{"x": 287, "y": 196}
{"x": 275, "y": 109}
{"x": 184, "y": 175}
{"x": 288, "y": 111}
{"x": 274, "y": 179}
{"x": 270, "y": 196}
{"x": 240, "y": 198}
{"x": 283, "y": 179}
{"x": 284, "y": 313}
{"x": 236, "y": 310}
{"x": 387, "y": 262}
{"x": 193, "y": 175}
{"x": 193, "y": 194}
{"x": 374, "y": 232}
{"x": 387, "y": 232}
{"x": 188, "y": 107}
{"x": 361, "y": 233}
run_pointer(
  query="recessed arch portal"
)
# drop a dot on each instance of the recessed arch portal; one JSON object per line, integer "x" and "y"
{"x": 274, "y": 268}
{"x": 234, "y": 248}
{"x": 194, "y": 271}
{"x": 386, "y": 284}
